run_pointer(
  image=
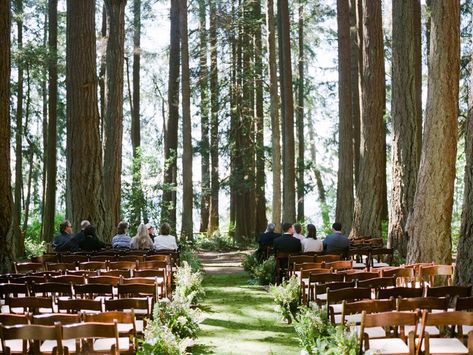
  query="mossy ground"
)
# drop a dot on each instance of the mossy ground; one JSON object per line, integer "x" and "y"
{"x": 240, "y": 319}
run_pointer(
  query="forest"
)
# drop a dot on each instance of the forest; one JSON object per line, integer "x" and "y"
{"x": 221, "y": 116}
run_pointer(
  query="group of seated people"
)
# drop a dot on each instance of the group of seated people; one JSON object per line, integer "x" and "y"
{"x": 292, "y": 241}
{"x": 86, "y": 239}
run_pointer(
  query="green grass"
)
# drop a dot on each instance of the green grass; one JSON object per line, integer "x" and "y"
{"x": 240, "y": 319}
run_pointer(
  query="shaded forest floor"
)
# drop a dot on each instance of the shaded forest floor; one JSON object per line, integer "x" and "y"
{"x": 239, "y": 318}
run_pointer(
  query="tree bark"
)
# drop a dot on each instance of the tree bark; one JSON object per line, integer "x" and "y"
{"x": 168, "y": 208}
{"x": 187, "y": 190}
{"x": 429, "y": 225}
{"x": 369, "y": 199}
{"x": 406, "y": 112}
{"x": 214, "y": 107}
{"x": 344, "y": 209}
{"x": 102, "y": 69}
{"x": 6, "y": 202}
{"x": 83, "y": 153}
{"x": 285, "y": 68}
{"x": 300, "y": 117}
{"x": 464, "y": 262}
{"x": 51, "y": 145}
{"x": 275, "y": 123}
{"x": 113, "y": 120}
{"x": 204, "y": 118}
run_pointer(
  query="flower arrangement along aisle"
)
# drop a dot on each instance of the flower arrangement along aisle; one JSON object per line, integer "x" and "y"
{"x": 175, "y": 323}
{"x": 286, "y": 296}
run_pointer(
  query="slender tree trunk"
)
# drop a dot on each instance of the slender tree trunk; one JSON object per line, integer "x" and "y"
{"x": 355, "y": 48}
{"x": 83, "y": 153}
{"x": 300, "y": 116}
{"x": 204, "y": 118}
{"x": 464, "y": 262}
{"x": 51, "y": 146}
{"x": 187, "y": 190}
{"x": 406, "y": 112}
{"x": 30, "y": 161}
{"x": 429, "y": 225}
{"x": 168, "y": 210}
{"x": 6, "y": 202}
{"x": 214, "y": 107}
{"x": 344, "y": 210}
{"x": 103, "y": 67}
{"x": 44, "y": 121}
{"x": 369, "y": 199}
{"x": 289, "y": 176}
{"x": 275, "y": 124}
{"x": 113, "y": 120}
{"x": 19, "y": 130}
{"x": 261, "y": 219}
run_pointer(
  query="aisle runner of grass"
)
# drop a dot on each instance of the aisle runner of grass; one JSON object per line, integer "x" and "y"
{"x": 241, "y": 319}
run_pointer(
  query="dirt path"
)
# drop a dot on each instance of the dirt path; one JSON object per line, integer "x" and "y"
{"x": 222, "y": 263}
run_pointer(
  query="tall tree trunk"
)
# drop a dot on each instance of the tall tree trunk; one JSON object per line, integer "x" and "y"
{"x": 355, "y": 48}
{"x": 44, "y": 122}
{"x": 168, "y": 209}
{"x": 300, "y": 116}
{"x": 6, "y": 202}
{"x": 369, "y": 192}
{"x": 261, "y": 219}
{"x": 31, "y": 149}
{"x": 204, "y": 118}
{"x": 406, "y": 112}
{"x": 113, "y": 120}
{"x": 51, "y": 146}
{"x": 344, "y": 210}
{"x": 187, "y": 190}
{"x": 429, "y": 225}
{"x": 275, "y": 124}
{"x": 464, "y": 267}
{"x": 19, "y": 130}
{"x": 102, "y": 69}
{"x": 289, "y": 176}
{"x": 83, "y": 153}
{"x": 139, "y": 211}
{"x": 214, "y": 106}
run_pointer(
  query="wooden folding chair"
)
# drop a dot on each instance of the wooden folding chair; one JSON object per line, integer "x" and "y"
{"x": 30, "y": 304}
{"x": 377, "y": 283}
{"x": 8, "y": 290}
{"x": 60, "y": 266}
{"x": 135, "y": 258}
{"x": 452, "y": 292}
{"x": 88, "y": 337}
{"x": 45, "y": 258}
{"x": 381, "y": 257}
{"x": 92, "y": 265}
{"x": 335, "y": 297}
{"x": 93, "y": 291}
{"x": 327, "y": 258}
{"x": 163, "y": 281}
{"x": 27, "y": 267}
{"x": 320, "y": 290}
{"x": 74, "y": 258}
{"x": 429, "y": 275}
{"x": 319, "y": 279}
{"x": 116, "y": 273}
{"x": 405, "y": 292}
{"x": 52, "y": 289}
{"x": 339, "y": 265}
{"x": 140, "y": 307}
{"x": 122, "y": 265}
{"x": 79, "y": 305}
{"x": 15, "y": 345}
{"x": 71, "y": 279}
{"x": 361, "y": 275}
{"x": 107, "y": 280}
{"x": 405, "y": 276}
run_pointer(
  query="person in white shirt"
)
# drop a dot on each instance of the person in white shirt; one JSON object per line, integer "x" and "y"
{"x": 311, "y": 243}
{"x": 298, "y": 231}
{"x": 164, "y": 241}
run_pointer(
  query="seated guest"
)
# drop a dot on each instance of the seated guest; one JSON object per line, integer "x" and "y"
{"x": 266, "y": 239}
{"x": 311, "y": 243}
{"x": 336, "y": 242}
{"x": 141, "y": 240}
{"x": 73, "y": 243}
{"x": 90, "y": 241}
{"x": 151, "y": 231}
{"x": 286, "y": 243}
{"x": 164, "y": 241}
{"x": 121, "y": 239}
{"x": 297, "y": 231}
{"x": 61, "y": 240}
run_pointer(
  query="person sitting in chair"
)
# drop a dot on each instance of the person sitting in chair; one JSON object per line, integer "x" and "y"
{"x": 287, "y": 243}
{"x": 266, "y": 240}
{"x": 336, "y": 243}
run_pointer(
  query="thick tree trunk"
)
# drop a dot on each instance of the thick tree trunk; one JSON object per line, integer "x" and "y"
{"x": 168, "y": 208}
{"x": 187, "y": 190}
{"x": 344, "y": 210}
{"x": 214, "y": 107}
{"x": 261, "y": 219}
{"x": 464, "y": 267}
{"x": 369, "y": 192}
{"x": 355, "y": 54}
{"x": 83, "y": 153}
{"x": 6, "y": 202}
{"x": 406, "y": 112}
{"x": 204, "y": 119}
{"x": 300, "y": 117}
{"x": 275, "y": 124}
{"x": 51, "y": 144}
{"x": 429, "y": 225}
{"x": 113, "y": 121}
{"x": 289, "y": 176}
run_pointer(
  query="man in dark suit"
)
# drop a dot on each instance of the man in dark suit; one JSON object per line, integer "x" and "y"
{"x": 336, "y": 243}
{"x": 266, "y": 240}
{"x": 286, "y": 244}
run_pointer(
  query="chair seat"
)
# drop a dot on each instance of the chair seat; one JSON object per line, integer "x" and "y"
{"x": 377, "y": 264}
{"x": 432, "y": 330}
{"x": 337, "y": 308}
{"x": 104, "y": 345}
{"x": 373, "y": 332}
{"x": 451, "y": 346}
{"x": 48, "y": 345}
{"x": 351, "y": 318}
{"x": 358, "y": 265}
{"x": 392, "y": 346}
{"x": 15, "y": 345}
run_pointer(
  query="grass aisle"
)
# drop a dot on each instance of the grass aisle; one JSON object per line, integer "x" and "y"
{"x": 240, "y": 318}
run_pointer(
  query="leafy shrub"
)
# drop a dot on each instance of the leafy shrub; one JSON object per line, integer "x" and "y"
{"x": 188, "y": 284}
{"x": 160, "y": 340}
{"x": 216, "y": 242}
{"x": 250, "y": 262}
{"x": 178, "y": 317}
{"x": 265, "y": 273}
{"x": 318, "y": 336}
{"x": 34, "y": 247}
{"x": 189, "y": 256}
{"x": 286, "y": 296}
